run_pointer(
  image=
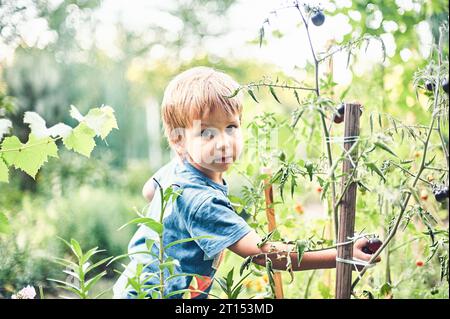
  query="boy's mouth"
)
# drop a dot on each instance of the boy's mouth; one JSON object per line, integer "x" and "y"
{"x": 224, "y": 159}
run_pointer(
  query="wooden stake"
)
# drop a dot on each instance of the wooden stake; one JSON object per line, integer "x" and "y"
{"x": 270, "y": 212}
{"x": 347, "y": 206}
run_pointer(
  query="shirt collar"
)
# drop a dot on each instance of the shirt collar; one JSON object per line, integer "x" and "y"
{"x": 191, "y": 168}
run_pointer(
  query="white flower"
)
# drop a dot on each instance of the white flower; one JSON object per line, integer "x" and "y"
{"x": 26, "y": 293}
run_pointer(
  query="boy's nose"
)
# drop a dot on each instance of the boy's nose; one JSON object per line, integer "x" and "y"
{"x": 223, "y": 142}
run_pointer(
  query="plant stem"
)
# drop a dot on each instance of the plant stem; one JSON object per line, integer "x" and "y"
{"x": 161, "y": 243}
{"x": 279, "y": 86}
{"x": 388, "y": 251}
{"x": 324, "y": 127}
{"x": 444, "y": 147}
{"x": 308, "y": 284}
{"x": 409, "y": 173}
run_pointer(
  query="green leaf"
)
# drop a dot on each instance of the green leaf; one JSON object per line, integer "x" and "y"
{"x": 149, "y": 244}
{"x": 101, "y": 120}
{"x": 4, "y": 224}
{"x": 266, "y": 238}
{"x": 293, "y": 185}
{"x": 76, "y": 248}
{"x": 133, "y": 283}
{"x": 230, "y": 278}
{"x": 245, "y": 264}
{"x": 98, "y": 264}
{"x": 301, "y": 246}
{"x": 30, "y": 156}
{"x": 252, "y": 95}
{"x": 235, "y": 92}
{"x": 235, "y": 293}
{"x": 371, "y": 123}
{"x": 65, "y": 263}
{"x": 385, "y": 289}
{"x": 147, "y": 221}
{"x": 81, "y": 140}
{"x": 298, "y": 115}
{"x": 170, "y": 265}
{"x": 374, "y": 168}
{"x": 297, "y": 97}
{"x": 66, "y": 284}
{"x": 310, "y": 169}
{"x": 269, "y": 271}
{"x": 4, "y": 175}
{"x": 223, "y": 284}
{"x": 261, "y": 35}
{"x": 430, "y": 161}
{"x": 272, "y": 91}
{"x": 89, "y": 254}
{"x": 71, "y": 273}
{"x": 91, "y": 282}
{"x": 239, "y": 284}
{"x": 385, "y": 148}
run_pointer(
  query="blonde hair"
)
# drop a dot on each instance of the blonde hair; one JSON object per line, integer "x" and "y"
{"x": 193, "y": 94}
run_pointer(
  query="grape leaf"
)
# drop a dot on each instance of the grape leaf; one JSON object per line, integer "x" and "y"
{"x": 100, "y": 119}
{"x": 3, "y": 171}
{"x": 30, "y": 156}
{"x": 5, "y": 125}
{"x": 81, "y": 140}
{"x": 39, "y": 129}
{"x": 59, "y": 129}
{"x": 76, "y": 114}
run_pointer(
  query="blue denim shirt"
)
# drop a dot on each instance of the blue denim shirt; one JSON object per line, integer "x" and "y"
{"x": 203, "y": 209}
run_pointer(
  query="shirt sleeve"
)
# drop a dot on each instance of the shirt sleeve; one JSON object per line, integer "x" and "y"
{"x": 215, "y": 217}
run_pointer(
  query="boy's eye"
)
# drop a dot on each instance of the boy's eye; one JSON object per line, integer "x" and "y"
{"x": 231, "y": 129}
{"x": 207, "y": 133}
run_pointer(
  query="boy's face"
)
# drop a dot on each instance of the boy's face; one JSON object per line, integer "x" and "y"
{"x": 214, "y": 142}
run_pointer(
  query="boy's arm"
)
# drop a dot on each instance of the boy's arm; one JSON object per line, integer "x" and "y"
{"x": 277, "y": 252}
{"x": 148, "y": 191}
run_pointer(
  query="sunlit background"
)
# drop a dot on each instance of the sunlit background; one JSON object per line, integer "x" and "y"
{"x": 123, "y": 53}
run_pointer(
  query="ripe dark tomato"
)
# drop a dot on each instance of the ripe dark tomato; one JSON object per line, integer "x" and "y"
{"x": 445, "y": 85}
{"x": 440, "y": 193}
{"x": 372, "y": 246}
{"x": 318, "y": 18}
{"x": 339, "y": 117}
{"x": 429, "y": 86}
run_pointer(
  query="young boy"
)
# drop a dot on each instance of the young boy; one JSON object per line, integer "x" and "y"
{"x": 203, "y": 126}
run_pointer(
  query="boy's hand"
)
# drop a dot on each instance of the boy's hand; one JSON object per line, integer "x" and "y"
{"x": 358, "y": 252}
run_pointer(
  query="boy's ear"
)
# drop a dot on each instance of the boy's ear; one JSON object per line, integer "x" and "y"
{"x": 177, "y": 140}
{"x": 179, "y": 145}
